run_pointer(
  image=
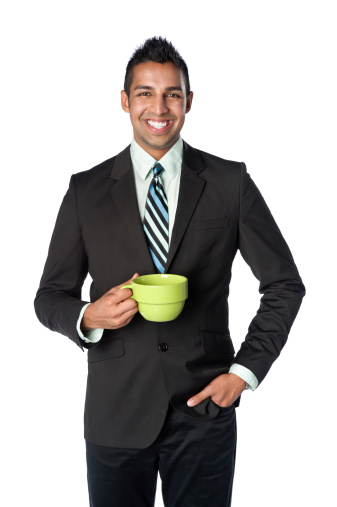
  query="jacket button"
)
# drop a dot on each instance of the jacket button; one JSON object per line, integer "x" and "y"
{"x": 163, "y": 347}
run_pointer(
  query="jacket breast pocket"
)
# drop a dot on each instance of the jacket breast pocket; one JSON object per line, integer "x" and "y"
{"x": 108, "y": 349}
{"x": 218, "y": 343}
{"x": 214, "y": 223}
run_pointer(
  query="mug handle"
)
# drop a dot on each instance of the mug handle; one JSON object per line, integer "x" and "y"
{"x": 128, "y": 286}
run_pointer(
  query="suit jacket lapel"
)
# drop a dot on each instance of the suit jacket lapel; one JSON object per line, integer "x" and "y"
{"x": 125, "y": 199}
{"x": 191, "y": 187}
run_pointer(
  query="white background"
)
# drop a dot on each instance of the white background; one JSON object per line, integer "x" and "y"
{"x": 265, "y": 93}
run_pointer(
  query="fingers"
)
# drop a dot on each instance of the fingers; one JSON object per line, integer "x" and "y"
{"x": 223, "y": 390}
{"x": 122, "y": 320}
{"x": 112, "y": 310}
{"x": 127, "y": 282}
{"x": 126, "y": 317}
{"x": 198, "y": 398}
{"x": 121, "y": 295}
{"x": 125, "y": 305}
{"x": 119, "y": 302}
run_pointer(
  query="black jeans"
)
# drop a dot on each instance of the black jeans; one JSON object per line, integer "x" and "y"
{"x": 195, "y": 459}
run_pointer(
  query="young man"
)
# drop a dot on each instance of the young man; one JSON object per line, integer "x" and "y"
{"x": 162, "y": 396}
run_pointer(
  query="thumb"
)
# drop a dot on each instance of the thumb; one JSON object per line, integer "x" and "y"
{"x": 128, "y": 281}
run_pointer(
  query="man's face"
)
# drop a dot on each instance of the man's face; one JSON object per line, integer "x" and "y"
{"x": 157, "y": 106}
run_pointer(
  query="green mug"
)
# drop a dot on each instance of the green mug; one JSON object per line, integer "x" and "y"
{"x": 160, "y": 298}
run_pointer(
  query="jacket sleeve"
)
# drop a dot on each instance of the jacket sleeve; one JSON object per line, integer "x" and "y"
{"x": 58, "y": 300}
{"x": 266, "y": 252}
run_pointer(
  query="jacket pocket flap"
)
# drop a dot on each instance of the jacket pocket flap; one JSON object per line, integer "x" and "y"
{"x": 217, "y": 342}
{"x": 106, "y": 350}
{"x": 211, "y": 224}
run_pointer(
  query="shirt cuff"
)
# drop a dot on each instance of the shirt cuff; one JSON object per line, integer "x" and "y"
{"x": 92, "y": 336}
{"x": 244, "y": 373}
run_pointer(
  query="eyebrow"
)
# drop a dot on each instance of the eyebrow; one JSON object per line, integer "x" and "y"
{"x": 169, "y": 89}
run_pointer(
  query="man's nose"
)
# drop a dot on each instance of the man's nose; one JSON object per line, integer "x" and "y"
{"x": 159, "y": 105}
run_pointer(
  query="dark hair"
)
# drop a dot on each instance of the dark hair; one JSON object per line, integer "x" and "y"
{"x": 156, "y": 50}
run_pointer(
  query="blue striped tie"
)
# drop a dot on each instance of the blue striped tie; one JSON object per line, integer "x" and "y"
{"x": 156, "y": 220}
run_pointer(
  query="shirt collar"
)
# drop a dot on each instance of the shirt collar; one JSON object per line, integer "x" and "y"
{"x": 143, "y": 162}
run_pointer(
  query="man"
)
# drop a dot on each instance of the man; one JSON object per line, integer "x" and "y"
{"x": 162, "y": 396}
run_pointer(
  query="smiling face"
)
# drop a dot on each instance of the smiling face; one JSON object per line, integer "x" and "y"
{"x": 157, "y": 105}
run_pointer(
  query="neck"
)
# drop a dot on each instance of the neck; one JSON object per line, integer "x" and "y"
{"x": 155, "y": 152}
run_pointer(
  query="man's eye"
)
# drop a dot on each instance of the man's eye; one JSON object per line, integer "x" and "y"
{"x": 145, "y": 93}
{"x": 173, "y": 95}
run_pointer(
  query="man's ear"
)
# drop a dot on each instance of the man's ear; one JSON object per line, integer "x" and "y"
{"x": 189, "y": 102}
{"x": 125, "y": 101}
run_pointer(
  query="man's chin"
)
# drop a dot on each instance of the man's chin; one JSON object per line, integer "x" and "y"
{"x": 158, "y": 143}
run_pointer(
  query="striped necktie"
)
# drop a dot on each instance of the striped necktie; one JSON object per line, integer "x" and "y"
{"x": 156, "y": 220}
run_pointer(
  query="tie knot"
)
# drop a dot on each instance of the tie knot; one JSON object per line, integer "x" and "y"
{"x": 157, "y": 169}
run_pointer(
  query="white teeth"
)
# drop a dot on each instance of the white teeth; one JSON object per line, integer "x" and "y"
{"x": 157, "y": 124}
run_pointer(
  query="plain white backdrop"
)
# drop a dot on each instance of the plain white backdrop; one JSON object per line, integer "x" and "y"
{"x": 263, "y": 75}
